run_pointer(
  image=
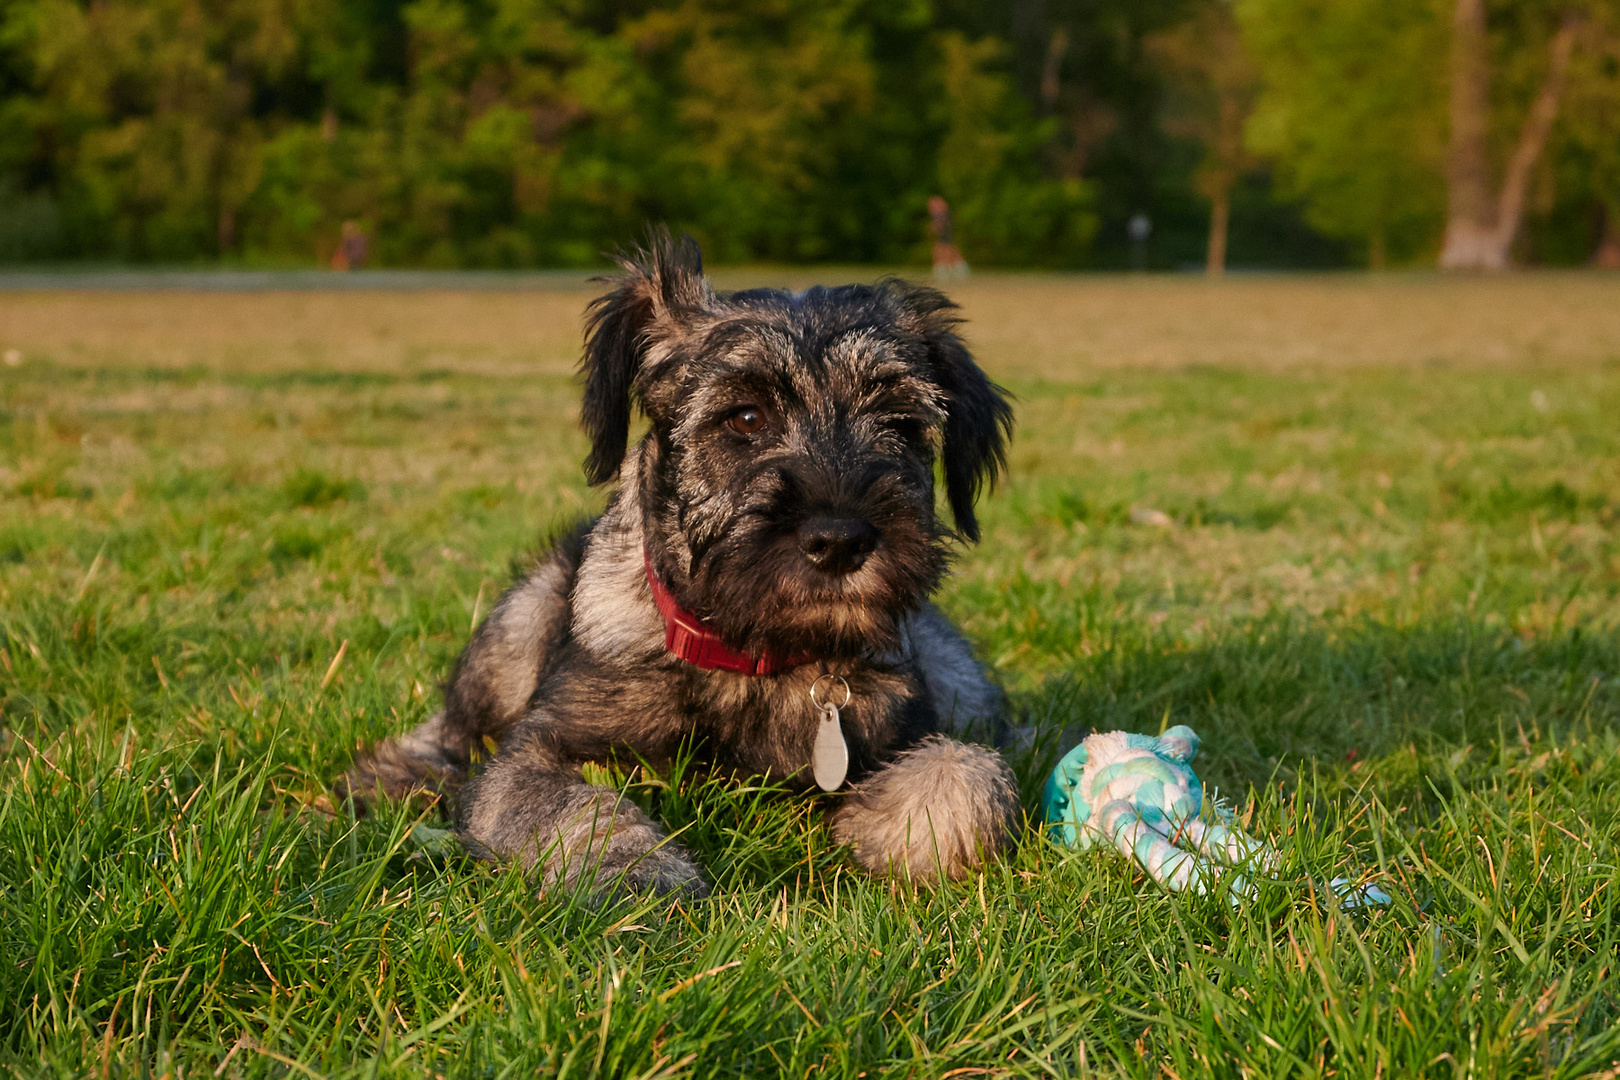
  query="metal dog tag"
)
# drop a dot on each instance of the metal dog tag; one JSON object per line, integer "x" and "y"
{"x": 830, "y": 762}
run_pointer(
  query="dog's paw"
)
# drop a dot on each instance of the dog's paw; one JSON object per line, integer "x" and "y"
{"x": 667, "y": 871}
{"x": 600, "y": 842}
{"x": 938, "y": 810}
{"x": 626, "y": 871}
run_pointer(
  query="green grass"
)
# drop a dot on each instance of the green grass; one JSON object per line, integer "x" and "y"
{"x": 1387, "y": 597}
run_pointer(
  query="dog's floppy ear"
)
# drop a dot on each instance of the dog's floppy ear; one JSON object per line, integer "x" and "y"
{"x": 662, "y": 287}
{"x": 978, "y": 418}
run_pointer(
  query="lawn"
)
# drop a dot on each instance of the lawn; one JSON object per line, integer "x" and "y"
{"x": 1362, "y": 534}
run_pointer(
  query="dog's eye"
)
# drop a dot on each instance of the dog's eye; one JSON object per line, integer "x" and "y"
{"x": 912, "y": 432}
{"x": 746, "y": 421}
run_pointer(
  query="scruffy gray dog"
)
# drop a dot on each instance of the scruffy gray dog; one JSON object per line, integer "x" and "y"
{"x": 770, "y": 550}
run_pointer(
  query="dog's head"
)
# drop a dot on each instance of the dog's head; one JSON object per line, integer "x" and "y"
{"x": 786, "y": 484}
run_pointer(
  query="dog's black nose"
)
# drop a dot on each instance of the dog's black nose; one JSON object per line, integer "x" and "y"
{"x": 837, "y": 545}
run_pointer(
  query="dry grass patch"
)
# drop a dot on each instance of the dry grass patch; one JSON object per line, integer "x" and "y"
{"x": 1024, "y": 326}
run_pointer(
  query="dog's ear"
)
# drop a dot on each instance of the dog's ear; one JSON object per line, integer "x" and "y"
{"x": 662, "y": 288}
{"x": 978, "y": 418}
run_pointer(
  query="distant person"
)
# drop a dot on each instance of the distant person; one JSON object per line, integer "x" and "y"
{"x": 351, "y": 250}
{"x": 948, "y": 261}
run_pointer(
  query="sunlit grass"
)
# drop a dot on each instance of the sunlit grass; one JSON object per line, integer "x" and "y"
{"x": 1385, "y": 590}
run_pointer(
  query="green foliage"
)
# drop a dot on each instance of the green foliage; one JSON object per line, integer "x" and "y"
{"x": 515, "y": 133}
{"x": 1353, "y": 112}
{"x": 1007, "y": 211}
{"x": 1584, "y": 174}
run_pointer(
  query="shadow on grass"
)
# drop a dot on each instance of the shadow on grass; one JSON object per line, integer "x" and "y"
{"x": 1281, "y": 695}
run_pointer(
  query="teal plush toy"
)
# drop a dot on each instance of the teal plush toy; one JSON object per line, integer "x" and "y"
{"x": 1139, "y": 795}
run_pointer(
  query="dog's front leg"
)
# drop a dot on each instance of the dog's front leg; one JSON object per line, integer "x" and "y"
{"x": 938, "y": 810}
{"x": 532, "y": 807}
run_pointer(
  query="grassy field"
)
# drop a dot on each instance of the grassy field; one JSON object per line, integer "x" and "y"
{"x": 1363, "y": 534}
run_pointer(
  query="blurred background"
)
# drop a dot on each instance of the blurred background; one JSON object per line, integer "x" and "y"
{"x": 1148, "y": 134}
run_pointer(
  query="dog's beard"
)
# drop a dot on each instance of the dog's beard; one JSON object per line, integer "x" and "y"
{"x": 770, "y": 599}
{"x": 757, "y": 589}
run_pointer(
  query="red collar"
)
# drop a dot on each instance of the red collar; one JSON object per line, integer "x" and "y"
{"x": 693, "y": 640}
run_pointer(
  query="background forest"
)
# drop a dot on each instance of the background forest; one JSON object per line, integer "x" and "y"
{"x": 518, "y": 133}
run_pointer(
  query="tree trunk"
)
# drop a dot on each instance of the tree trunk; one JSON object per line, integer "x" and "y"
{"x": 1607, "y": 255}
{"x": 1220, "y": 217}
{"x": 1468, "y": 181}
{"x": 1533, "y": 137}
{"x": 1480, "y": 235}
{"x": 1377, "y": 253}
{"x": 227, "y": 229}
{"x": 1052, "y": 71}
{"x": 1029, "y": 38}
{"x": 1221, "y": 174}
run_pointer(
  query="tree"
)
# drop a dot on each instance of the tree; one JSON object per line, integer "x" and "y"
{"x": 1212, "y": 88}
{"x": 150, "y": 116}
{"x": 989, "y": 168}
{"x": 1352, "y": 114}
{"x": 1480, "y": 229}
{"x": 1083, "y": 65}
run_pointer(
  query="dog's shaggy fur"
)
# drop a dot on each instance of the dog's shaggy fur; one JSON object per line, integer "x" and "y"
{"x": 785, "y": 494}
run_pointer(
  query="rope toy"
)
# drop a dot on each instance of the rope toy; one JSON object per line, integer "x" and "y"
{"x": 1139, "y": 795}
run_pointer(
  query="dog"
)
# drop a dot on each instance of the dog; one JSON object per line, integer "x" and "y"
{"x": 757, "y": 590}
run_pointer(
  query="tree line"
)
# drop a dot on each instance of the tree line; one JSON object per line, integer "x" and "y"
{"x": 1063, "y": 133}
